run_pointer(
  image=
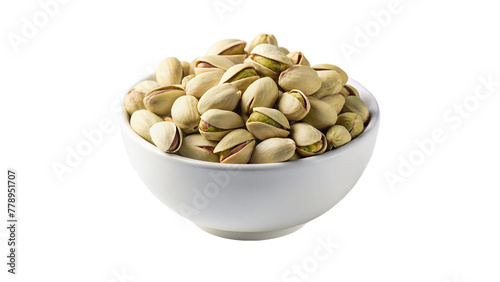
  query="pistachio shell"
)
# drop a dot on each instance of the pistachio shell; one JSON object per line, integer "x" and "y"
{"x": 185, "y": 114}
{"x": 201, "y": 83}
{"x": 166, "y": 136}
{"x": 341, "y": 72}
{"x": 303, "y": 78}
{"x": 141, "y": 121}
{"x": 224, "y": 97}
{"x": 295, "y": 157}
{"x": 186, "y": 79}
{"x": 212, "y": 63}
{"x": 238, "y": 53}
{"x": 291, "y": 107}
{"x": 356, "y": 105}
{"x": 305, "y": 135}
{"x": 284, "y": 50}
{"x": 134, "y": 100}
{"x": 186, "y": 66}
{"x": 337, "y": 136}
{"x": 239, "y": 139}
{"x": 197, "y": 147}
{"x": 349, "y": 90}
{"x": 298, "y": 58}
{"x": 336, "y": 101}
{"x": 273, "y": 150}
{"x": 169, "y": 72}
{"x": 262, "y": 130}
{"x": 322, "y": 115}
{"x": 241, "y": 84}
{"x": 161, "y": 99}
{"x": 224, "y": 121}
{"x": 352, "y": 122}
{"x": 261, "y": 39}
{"x": 261, "y": 93}
{"x": 271, "y": 52}
{"x": 331, "y": 83}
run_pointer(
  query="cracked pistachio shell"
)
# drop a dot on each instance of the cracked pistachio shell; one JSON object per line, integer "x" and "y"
{"x": 243, "y": 83}
{"x": 352, "y": 122}
{"x": 261, "y": 93}
{"x": 262, "y": 130}
{"x": 185, "y": 114}
{"x": 337, "y": 136}
{"x": 303, "y": 78}
{"x": 134, "y": 100}
{"x": 261, "y": 39}
{"x": 240, "y": 142}
{"x": 141, "y": 121}
{"x": 166, "y": 136}
{"x": 186, "y": 79}
{"x": 322, "y": 115}
{"x": 292, "y": 107}
{"x": 196, "y": 147}
{"x": 211, "y": 63}
{"x": 223, "y": 120}
{"x": 349, "y": 90}
{"x": 341, "y": 72}
{"x": 186, "y": 66}
{"x": 298, "y": 58}
{"x": 224, "y": 97}
{"x": 305, "y": 135}
{"x": 273, "y": 150}
{"x": 201, "y": 83}
{"x": 337, "y": 101}
{"x": 161, "y": 99}
{"x": 169, "y": 72}
{"x": 356, "y": 105}
{"x": 284, "y": 50}
{"x": 272, "y": 52}
{"x": 232, "y": 49}
{"x": 331, "y": 83}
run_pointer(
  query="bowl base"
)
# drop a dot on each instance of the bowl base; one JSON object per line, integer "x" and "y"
{"x": 251, "y": 235}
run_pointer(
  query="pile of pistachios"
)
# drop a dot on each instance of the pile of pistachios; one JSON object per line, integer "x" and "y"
{"x": 247, "y": 103}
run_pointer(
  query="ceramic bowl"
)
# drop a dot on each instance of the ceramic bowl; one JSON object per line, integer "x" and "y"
{"x": 253, "y": 201}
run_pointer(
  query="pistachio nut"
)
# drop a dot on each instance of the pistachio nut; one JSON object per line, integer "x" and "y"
{"x": 337, "y": 136}
{"x": 211, "y": 63}
{"x": 141, "y": 121}
{"x": 265, "y": 123}
{"x": 240, "y": 75}
{"x": 161, "y": 99}
{"x": 269, "y": 60}
{"x": 284, "y": 50}
{"x": 232, "y": 49}
{"x": 295, "y": 156}
{"x": 169, "y": 72}
{"x": 356, "y": 105}
{"x": 185, "y": 113}
{"x": 201, "y": 83}
{"x": 224, "y": 97}
{"x": 215, "y": 123}
{"x": 331, "y": 83}
{"x": 186, "y": 79}
{"x": 303, "y": 78}
{"x": 261, "y": 93}
{"x": 298, "y": 58}
{"x": 337, "y": 101}
{"x": 309, "y": 140}
{"x": 273, "y": 150}
{"x": 134, "y": 100}
{"x": 168, "y": 118}
{"x": 294, "y": 105}
{"x": 352, "y": 122}
{"x": 261, "y": 39}
{"x": 349, "y": 90}
{"x": 341, "y": 72}
{"x": 166, "y": 136}
{"x": 236, "y": 147}
{"x": 196, "y": 147}
{"x": 322, "y": 115}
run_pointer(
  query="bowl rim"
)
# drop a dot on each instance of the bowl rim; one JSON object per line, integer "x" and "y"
{"x": 371, "y": 128}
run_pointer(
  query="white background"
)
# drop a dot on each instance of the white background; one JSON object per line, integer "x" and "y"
{"x": 438, "y": 222}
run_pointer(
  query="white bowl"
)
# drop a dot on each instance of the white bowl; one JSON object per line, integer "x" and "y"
{"x": 253, "y": 201}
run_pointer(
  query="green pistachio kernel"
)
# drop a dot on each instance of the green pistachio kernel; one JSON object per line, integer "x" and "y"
{"x": 256, "y": 116}
{"x": 248, "y": 72}
{"x": 313, "y": 148}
